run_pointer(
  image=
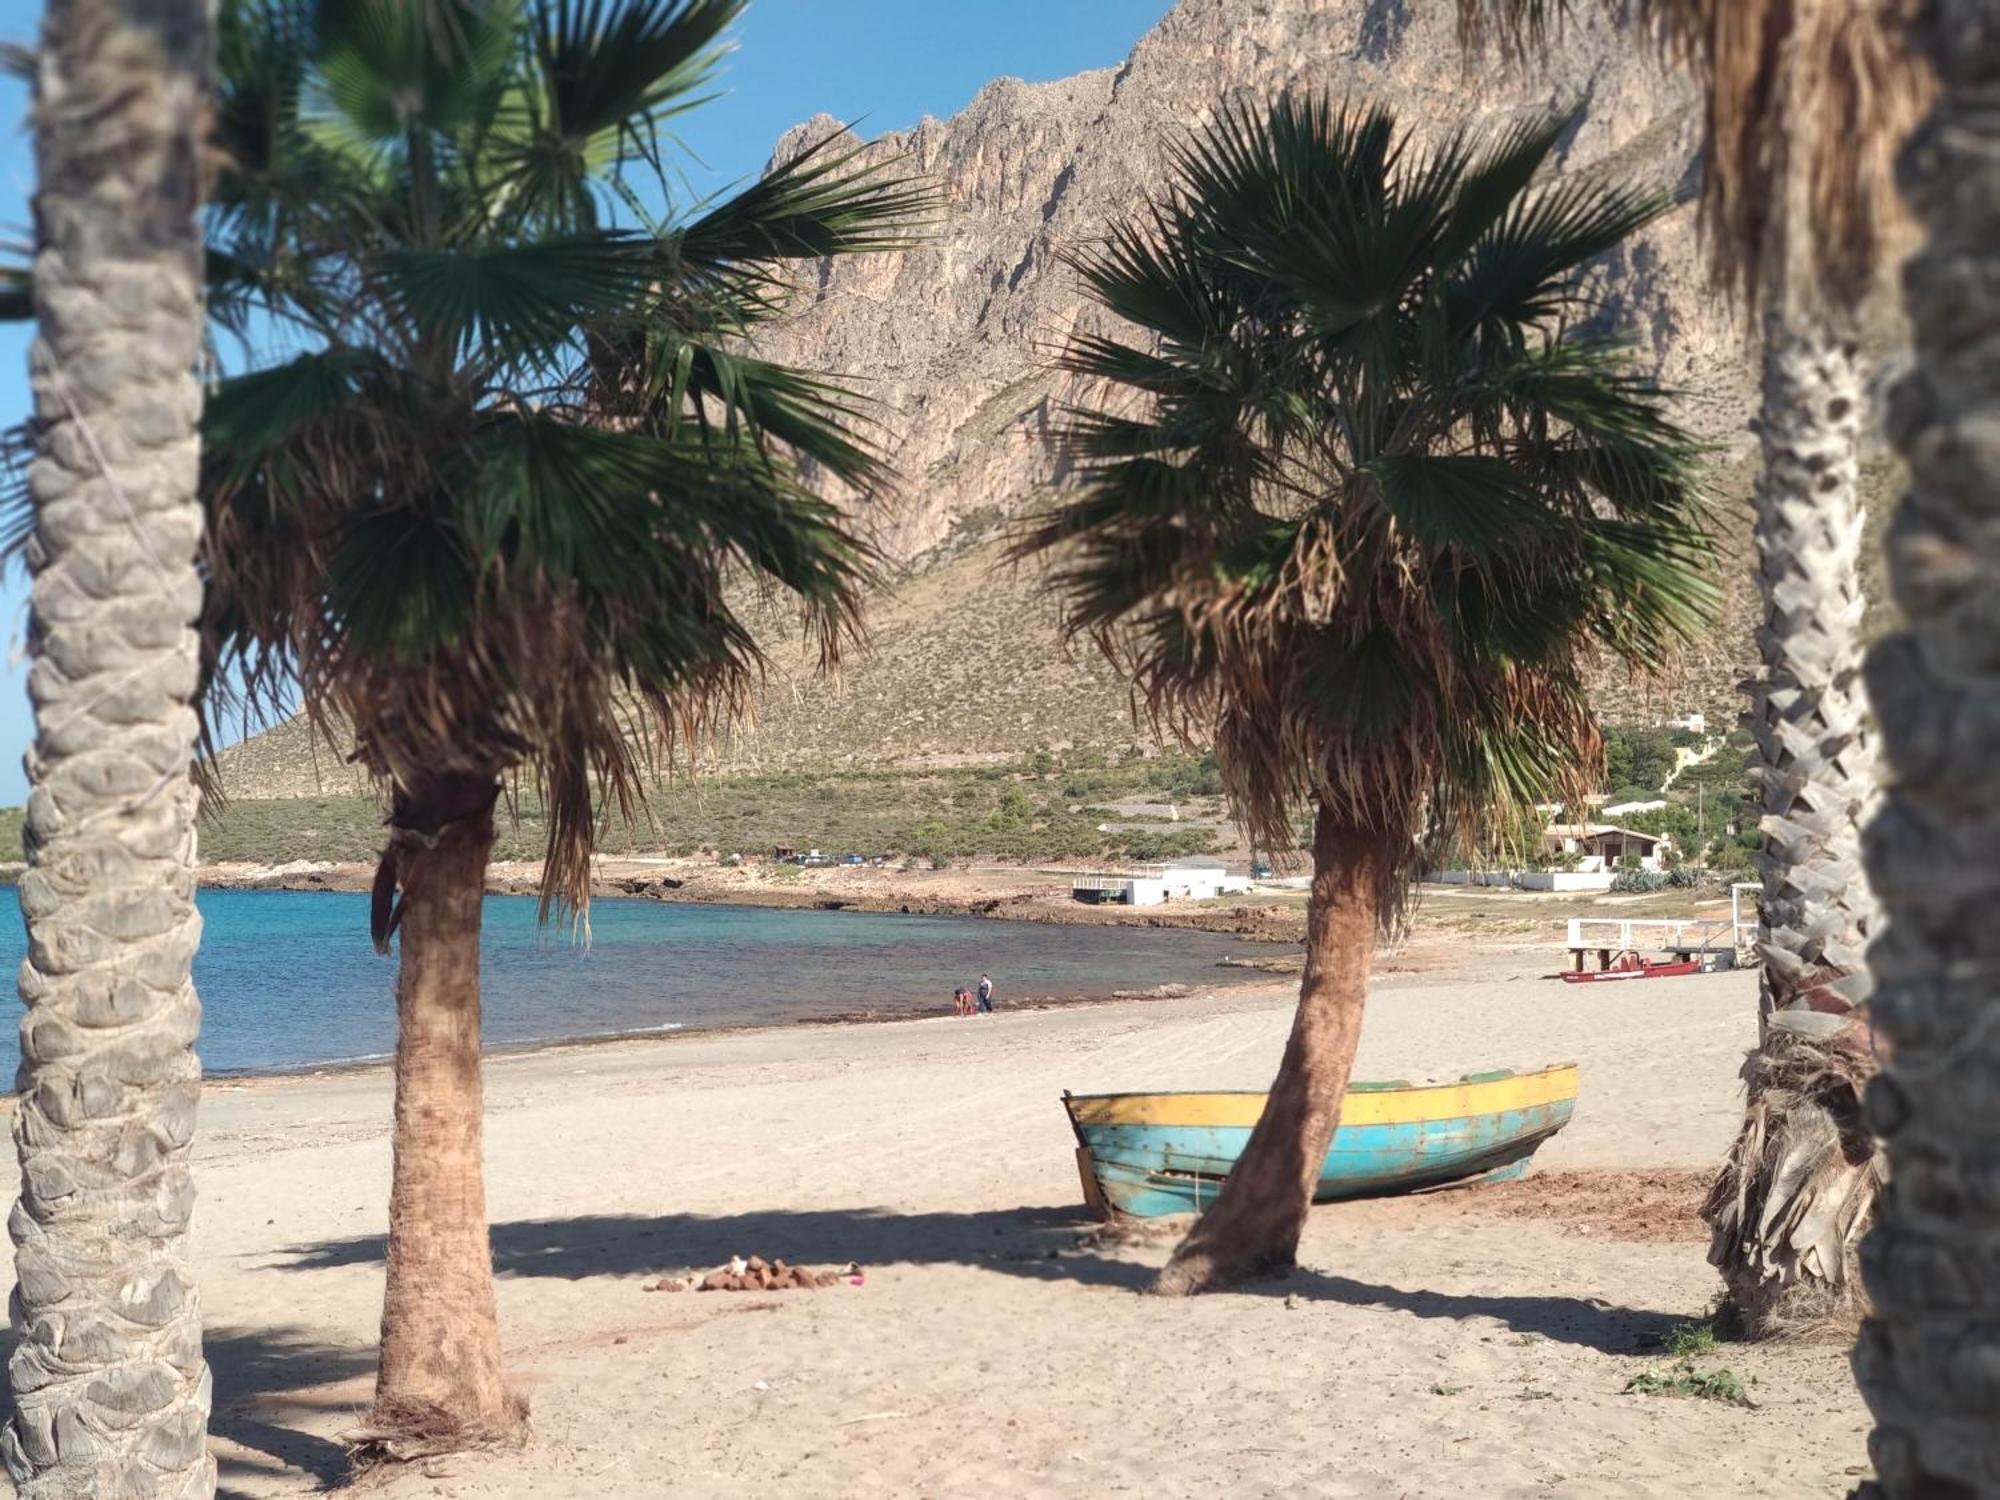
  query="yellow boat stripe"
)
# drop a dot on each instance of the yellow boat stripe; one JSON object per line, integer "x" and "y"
{"x": 1444, "y": 1101}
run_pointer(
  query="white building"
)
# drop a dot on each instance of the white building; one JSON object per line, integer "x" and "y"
{"x": 1619, "y": 809}
{"x": 1156, "y": 885}
{"x": 1602, "y": 846}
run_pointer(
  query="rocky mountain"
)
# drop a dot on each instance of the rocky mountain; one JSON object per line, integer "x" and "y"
{"x": 955, "y": 341}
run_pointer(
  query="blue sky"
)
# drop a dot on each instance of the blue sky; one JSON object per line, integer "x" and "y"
{"x": 886, "y": 63}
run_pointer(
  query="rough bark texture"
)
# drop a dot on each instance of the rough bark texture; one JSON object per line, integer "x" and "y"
{"x": 1808, "y": 709}
{"x": 1253, "y": 1226}
{"x": 440, "y": 1386}
{"x": 111, "y": 1393}
{"x": 1797, "y": 1191}
{"x": 1929, "y": 1359}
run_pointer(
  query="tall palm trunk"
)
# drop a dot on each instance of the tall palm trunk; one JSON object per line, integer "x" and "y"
{"x": 440, "y": 1385}
{"x": 111, "y": 1394}
{"x": 1792, "y": 1200}
{"x": 1255, "y": 1222}
{"x": 1809, "y": 712}
{"x": 1929, "y": 1358}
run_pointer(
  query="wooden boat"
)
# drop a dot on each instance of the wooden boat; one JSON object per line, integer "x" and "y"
{"x": 1631, "y": 966}
{"x": 1153, "y": 1154}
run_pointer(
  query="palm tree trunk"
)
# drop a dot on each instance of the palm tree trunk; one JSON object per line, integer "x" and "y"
{"x": 1798, "y": 1189}
{"x": 441, "y": 1386}
{"x": 1928, "y": 1358}
{"x": 111, "y": 1395}
{"x": 1809, "y": 713}
{"x": 1253, "y": 1226}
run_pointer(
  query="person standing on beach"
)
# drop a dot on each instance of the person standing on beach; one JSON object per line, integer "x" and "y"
{"x": 985, "y": 996}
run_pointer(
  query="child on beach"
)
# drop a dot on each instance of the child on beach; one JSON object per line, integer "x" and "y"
{"x": 985, "y": 996}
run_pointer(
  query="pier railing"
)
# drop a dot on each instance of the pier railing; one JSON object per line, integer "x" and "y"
{"x": 1668, "y": 934}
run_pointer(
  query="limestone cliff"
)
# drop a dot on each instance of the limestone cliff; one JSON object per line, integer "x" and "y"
{"x": 955, "y": 340}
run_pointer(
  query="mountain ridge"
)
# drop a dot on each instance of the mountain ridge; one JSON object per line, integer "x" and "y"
{"x": 953, "y": 339}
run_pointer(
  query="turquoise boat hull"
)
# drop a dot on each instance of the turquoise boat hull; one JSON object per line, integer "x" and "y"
{"x": 1149, "y": 1155}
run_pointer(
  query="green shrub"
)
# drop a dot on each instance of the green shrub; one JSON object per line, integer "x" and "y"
{"x": 1683, "y": 1379}
{"x": 1635, "y": 879}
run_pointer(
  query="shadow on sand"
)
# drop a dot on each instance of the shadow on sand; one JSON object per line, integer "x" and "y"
{"x": 1036, "y": 1243}
{"x": 271, "y": 1382}
{"x": 265, "y": 1382}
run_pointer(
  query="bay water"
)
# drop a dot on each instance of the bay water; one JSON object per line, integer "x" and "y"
{"x": 289, "y": 980}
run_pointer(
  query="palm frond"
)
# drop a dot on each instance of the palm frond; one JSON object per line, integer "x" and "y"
{"x": 1503, "y": 172}
{"x": 400, "y": 587}
{"x": 517, "y": 298}
{"x": 1817, "y": 95}
{"x": 1467, "y": 505}
{"x": 1148, "y": 271}
{"x": 814, "y": 417}
{"x": 827, "y": 200}
{"x": 1362, "y": 502}
{"x": 247, "y": 418}
{"x": 501, "y": 512}
{"x": 592, "y": 506}
{"x": 1522, "y": 272}
{"x": 385, "y": 68}
{"x": 601, "y": 81}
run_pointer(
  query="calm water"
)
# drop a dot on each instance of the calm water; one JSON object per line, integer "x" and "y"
{"x": 289, "y": 979}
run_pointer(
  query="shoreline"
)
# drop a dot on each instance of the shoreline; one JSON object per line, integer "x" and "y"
{"x": 993, "y": 892}
{"x": 671, "y": 1031}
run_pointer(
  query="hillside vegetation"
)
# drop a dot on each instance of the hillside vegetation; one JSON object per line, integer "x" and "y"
{"x": 1041, "y": 807}
{"x": 1044, "y": 806}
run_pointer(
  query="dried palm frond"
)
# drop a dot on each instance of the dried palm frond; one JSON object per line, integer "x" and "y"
{"x": 1806, "y": 104}
{"x": 1798, "y": 1191}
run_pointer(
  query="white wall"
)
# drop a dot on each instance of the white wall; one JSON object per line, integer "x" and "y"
{"x": 1176, "y": 885}
{"x": 1563, "y": 880}
{"x": 1527, "y": 880}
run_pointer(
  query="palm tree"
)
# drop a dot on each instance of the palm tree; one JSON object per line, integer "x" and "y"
{"x": 1805, "y": 104}
{"x": 110, "y": 1391}
{"x": 1926, "y": 1358}
{"x": 500, "y": 510}
{"x": 1372, "y": 506}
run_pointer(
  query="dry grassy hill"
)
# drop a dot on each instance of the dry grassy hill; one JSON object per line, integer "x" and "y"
{"x": 964, "y": 665}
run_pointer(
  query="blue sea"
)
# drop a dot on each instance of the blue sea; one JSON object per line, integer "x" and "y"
{"x": 289, "y": 980}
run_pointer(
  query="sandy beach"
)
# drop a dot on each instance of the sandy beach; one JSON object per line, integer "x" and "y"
{"x": 1472, "y": 1343}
